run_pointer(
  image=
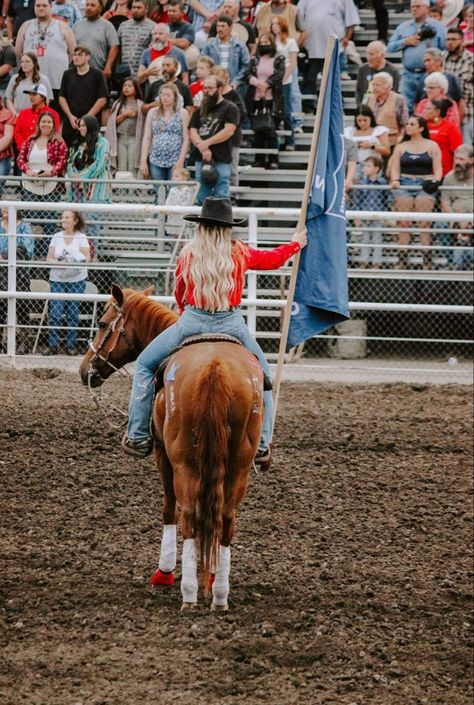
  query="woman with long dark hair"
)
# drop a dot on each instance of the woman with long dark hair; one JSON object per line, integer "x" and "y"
{"x": 442, "y": 130}
{"x": 371, "y": 139}
{"x": 416, "y": 160}
{"x": 28, "y": 76}
{"x": 125, "y": 127}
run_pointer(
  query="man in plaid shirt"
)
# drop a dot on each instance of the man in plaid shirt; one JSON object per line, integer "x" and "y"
{"x": 461, "y": 63}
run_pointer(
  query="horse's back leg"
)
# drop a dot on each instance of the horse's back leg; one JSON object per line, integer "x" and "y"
{"x": 187, "y": 492}
{"x": 167, "y": 563}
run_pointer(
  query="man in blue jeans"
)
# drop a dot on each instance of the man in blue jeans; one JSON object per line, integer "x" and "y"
{"x": 211, "y": 130}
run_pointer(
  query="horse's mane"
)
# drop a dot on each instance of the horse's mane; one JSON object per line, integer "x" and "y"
{"x": 150, "y": 317}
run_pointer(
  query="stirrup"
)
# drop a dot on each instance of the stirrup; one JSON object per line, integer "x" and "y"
{"x": 139, "y": 449}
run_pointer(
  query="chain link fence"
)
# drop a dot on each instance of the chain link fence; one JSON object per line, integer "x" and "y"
{"x": 400, "y": 309}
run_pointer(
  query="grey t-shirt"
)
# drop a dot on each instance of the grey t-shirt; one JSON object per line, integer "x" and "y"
{"x": 460, "y": 200}
{"x": 134, "y": 38}
{"x": 98, "y": 36}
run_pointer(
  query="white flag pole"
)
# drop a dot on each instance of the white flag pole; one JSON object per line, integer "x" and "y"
{"x": 302, "y": 220}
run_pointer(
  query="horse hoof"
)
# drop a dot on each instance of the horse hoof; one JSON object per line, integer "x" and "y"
{"x": 160, "y": 578}
{"x": 188, "y": 606}
{"x": 219, "y": 608}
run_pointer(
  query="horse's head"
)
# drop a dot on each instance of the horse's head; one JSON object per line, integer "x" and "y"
{"x": 116, "y": 341}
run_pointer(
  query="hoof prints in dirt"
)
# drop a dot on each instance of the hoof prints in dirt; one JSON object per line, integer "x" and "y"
{"x": 351, "y": 572}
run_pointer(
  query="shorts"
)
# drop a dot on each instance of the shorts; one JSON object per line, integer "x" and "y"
{"x": 412, "y": 181}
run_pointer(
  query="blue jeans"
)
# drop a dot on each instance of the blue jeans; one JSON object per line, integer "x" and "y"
{"x": 160, "y": 173}
{"x": 70, "y": 308}
{"x": 5, "y": 166}
{"x": 296, "y": 101}
{"x": 408, "y": 85}
{"x": 192, "y": 322}
{"x": 221, "y": 189}
{"x": 287, "y": 116}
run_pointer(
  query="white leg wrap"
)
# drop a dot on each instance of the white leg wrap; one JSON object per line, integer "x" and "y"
{"x": 220, "y": 588}
{"x": 168, "y": 548}
{"x": 189, "y": 583}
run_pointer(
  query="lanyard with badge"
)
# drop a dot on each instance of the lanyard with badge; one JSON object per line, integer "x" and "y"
{"x": 41, "y": 48}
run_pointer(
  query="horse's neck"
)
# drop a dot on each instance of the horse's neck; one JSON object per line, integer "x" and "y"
{"x": 154, "y": 321}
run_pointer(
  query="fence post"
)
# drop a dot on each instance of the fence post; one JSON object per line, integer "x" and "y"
{"x": 252, "y": 277}
{"x": 11, "y": 310}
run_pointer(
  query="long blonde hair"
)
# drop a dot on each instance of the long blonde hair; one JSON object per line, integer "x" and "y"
{"x": 208, "y": 263}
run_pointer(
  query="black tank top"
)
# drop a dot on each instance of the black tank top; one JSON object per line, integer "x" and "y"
{"x": 416, "y": 164}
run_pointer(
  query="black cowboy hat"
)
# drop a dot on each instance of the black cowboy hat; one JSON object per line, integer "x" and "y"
{"x": 215, "y": 211}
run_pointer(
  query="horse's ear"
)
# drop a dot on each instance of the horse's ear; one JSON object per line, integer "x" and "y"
{"x": 117, "y": 293}
{"x": 149, "y": 290}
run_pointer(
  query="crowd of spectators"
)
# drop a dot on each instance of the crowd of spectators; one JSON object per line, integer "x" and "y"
{"x": 148, "y": 88}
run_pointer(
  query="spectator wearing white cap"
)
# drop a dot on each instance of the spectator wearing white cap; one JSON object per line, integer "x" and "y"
{"x": 27, "y": 119}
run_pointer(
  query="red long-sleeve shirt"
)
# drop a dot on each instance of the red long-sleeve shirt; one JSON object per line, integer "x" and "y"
{"x": 27, "y": 120}
{"x": 253, "y": 259}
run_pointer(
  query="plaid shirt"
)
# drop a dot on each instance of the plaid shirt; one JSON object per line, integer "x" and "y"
{"x": 56, "y": 151}
{"x": 462, "y": 67}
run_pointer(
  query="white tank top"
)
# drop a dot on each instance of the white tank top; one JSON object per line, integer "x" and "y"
{"x": 48, "y": 43}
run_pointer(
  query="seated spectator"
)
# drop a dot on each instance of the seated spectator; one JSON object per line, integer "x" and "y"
{"x": 371, "y": 139}
{"x": 467, "y": 27}
{"x": 28, "y": 75}
{"x": 151, "y": 61}
{"x": 389, "y": 108}
{"x": 376, "y": 62}
{"x": 181, "y": 194}
{"x": 25, "y": 244}
{"x": 182, "y": 33}
{"x": 135, "y": 36}
{"x": 7, "y": 122}
{"x": 66, "y": 11}
{"x": 436, "y": 86}
{"x": 228, "y": 52}
{"x": 265, "y": 96}
{"x": 125, "y": 128}
{"x": 241, "y": 31}
{"x": 100, "y": 37}
{"x": 460, "y": 63}
{"x": 83, "y": 91}
{"x": 229, "y": 93}
{"x": 69, "y": 251}
{"x": 203, "y": 70}
{"x": 7, "y": 64}
{"x": 371, "y": 200}
{"x": 446, "y": 135}
{"x": 169, "y": 74}
{"x": 27, "y": 119}
{"x": 166, "y": 136}
{"x": 211, "y": 129}
{"x": 434, "y": 64}
{"x": 350, "y": 159}
{"x": 460, "y": 201}
{"x": 414, "y": 161}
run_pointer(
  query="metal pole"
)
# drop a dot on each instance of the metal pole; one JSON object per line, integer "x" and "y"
{"x": 11, "y": 309}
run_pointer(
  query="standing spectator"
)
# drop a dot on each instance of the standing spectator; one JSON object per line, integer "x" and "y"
{"x": 7, "y": 64}
{"x": 265, "y": 94}
{"x": 389, "y": 108}
{"x": 287, "y": 47}
{"x": 166, "y": 136}
{"x": 228, "y": 52}
{"x": 280, "y": 8}
{"x": 69, "y": 251}
{"x": 28, "y": 76}
{"x": 467, "y": 27}
{"x": 371, "y": 139}
{"x": 321, "y": 19}
{"x": 90, "y": 159}
{"x": 182, "y": 33}
{"x": 460, "y": 201}
{"x": 7, "y": 122}
{"x": 27, "y": 119}
{"x": 412, "y": 38}
{"x": 436, "y": 86}
{"x": 51, "y": 40}
{"x": 371, "y": 199}
{"x": 17, "y": 12}
{"x": 100, "y": 37}
{"x": 460, "y": 63}
{"x": 376, "y": 62}
{"x": 152, "y": 58}
{"x": 203, "y": 70}
{"x": 134, "y": 36}
{"x": 434, "y": 64}
{"x": 204, "y": 10}
{"x": 212, "y": 127}
{"x": 446, "y": 134}
{"x": 125, "y": 127}
{"x": 66, "y": 11}
{"x": 169, "y": 69}
{"x": 241, "y": 31}
{"x": 229, "y": 93}
{"x": 83, "y": 92}
{"x": 414, "y": 160}
{"x": 118, "y": 13}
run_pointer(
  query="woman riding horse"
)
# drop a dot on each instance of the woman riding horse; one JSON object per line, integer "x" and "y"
{"x": 210, "y": 277}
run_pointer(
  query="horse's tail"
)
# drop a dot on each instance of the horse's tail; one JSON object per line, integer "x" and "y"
{"x": 211, "y": 442}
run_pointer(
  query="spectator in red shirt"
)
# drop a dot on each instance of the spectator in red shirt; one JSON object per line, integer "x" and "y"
{"x": 28, "y": 118}
{"x": 446, "y": 135}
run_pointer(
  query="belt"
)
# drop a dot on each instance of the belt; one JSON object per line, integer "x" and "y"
{"x": 203, "y": 310}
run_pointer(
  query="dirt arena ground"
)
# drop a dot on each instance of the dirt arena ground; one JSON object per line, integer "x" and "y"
{"x": 351, "y": 579}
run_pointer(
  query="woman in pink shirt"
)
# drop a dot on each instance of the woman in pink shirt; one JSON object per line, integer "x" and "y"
{"x": 265, "y": 94}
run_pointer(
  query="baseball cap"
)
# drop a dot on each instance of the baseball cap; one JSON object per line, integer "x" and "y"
{"x": 39, "y": 88}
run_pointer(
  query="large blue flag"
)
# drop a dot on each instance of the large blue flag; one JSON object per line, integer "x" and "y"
{"x": 321, "y": 294}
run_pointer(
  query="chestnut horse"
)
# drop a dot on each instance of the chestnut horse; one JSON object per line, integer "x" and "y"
{"x": 206, "y": 427}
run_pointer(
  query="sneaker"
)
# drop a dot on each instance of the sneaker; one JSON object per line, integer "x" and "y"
{"x": 273, "y": 165}
{"x": 299, "y": 131}
{"x": 139, "y": 449}
{"x": 345, "y": 76}
{"x": 289, "y": 148}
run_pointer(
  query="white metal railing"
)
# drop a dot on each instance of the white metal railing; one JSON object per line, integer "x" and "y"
{"x": 252, "y": 302}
